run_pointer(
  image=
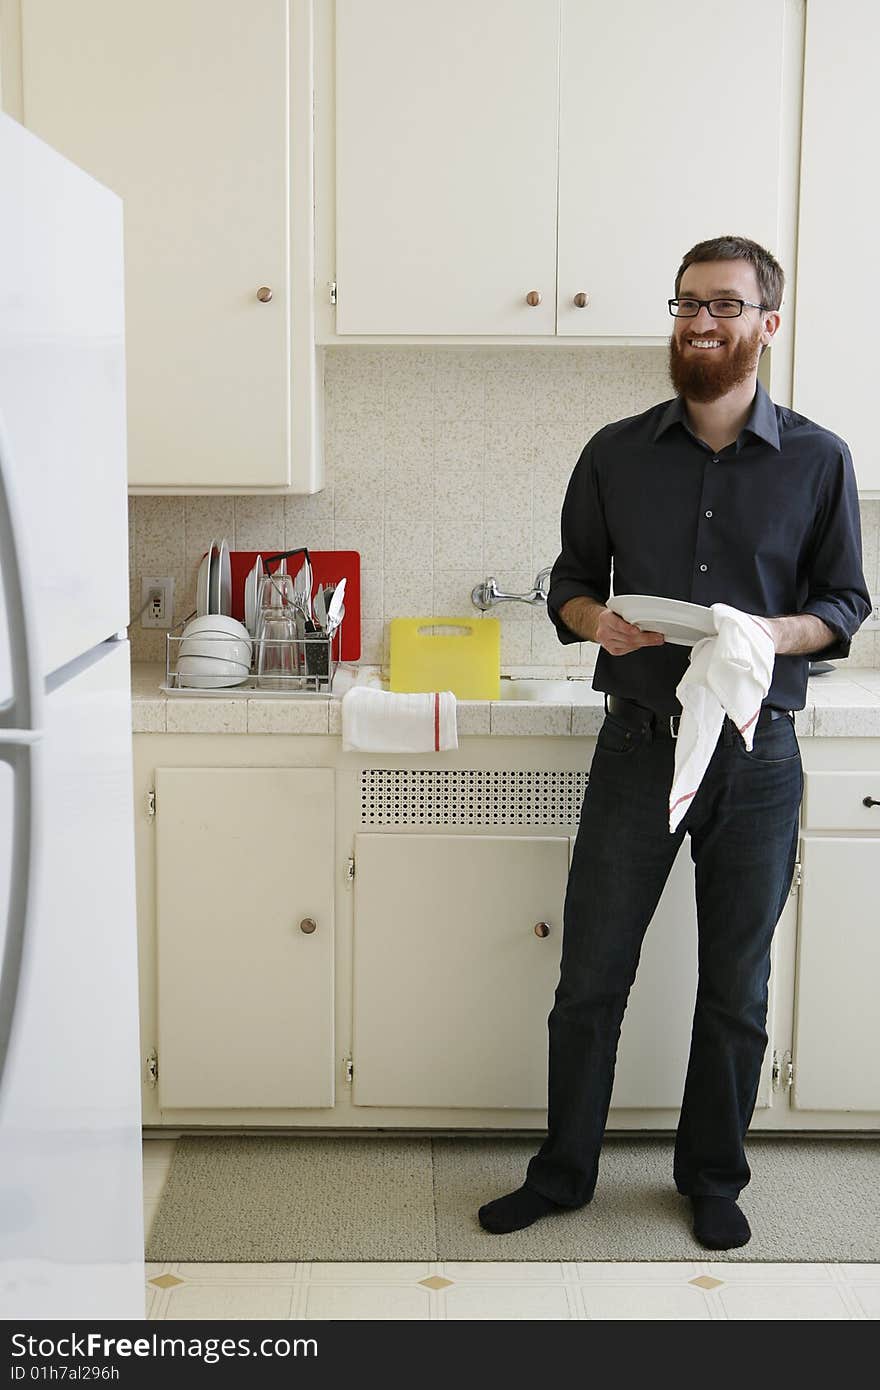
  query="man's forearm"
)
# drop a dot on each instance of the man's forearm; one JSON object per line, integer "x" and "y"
{"x": 581, "y": 615}
{"x": 799, "y": 634}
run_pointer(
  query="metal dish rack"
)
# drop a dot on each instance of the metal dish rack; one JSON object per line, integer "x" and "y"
{"x": 314, "y": 659}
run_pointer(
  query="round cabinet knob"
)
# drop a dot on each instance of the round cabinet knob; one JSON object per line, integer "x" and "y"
{"x": 542, "y": 929}
{"x": 581, "y": 300}
{"x": 308, "y": 925}
{"x": 264, "y": 294}
{"x": 533, "y": 297}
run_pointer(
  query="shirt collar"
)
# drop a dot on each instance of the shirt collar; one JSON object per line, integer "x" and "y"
{"x": 761, "y": 422}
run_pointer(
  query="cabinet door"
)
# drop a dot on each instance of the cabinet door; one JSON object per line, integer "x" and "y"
{"x": 446, "y": 165}
{"x": 182, "y": 109}
{"x": 839, "y": 208}
{"x": 452, "y": 985}
{"x": 244, "y": 856}
{"x": 668, "y": 135}
{"x": 655, "y": 1038}
{"x": 837, "y": 1038}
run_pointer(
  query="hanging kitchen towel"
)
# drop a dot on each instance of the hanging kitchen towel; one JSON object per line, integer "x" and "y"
{"x": 728, "y": 674}
{"x": 380, "y": 721}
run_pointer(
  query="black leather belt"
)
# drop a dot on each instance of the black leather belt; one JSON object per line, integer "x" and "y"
{"x": 666, "y": 725}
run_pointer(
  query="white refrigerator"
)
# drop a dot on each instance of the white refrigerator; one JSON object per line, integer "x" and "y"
{"x": 71, "y": 1212}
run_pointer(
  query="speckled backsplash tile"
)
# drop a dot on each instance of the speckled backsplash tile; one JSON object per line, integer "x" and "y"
{"x": 444, "y": 465}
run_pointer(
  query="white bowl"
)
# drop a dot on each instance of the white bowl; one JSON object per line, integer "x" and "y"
{"x": 217, "y": 646}
{"x": 206, "y": 672}
{"x": 217, "y": 622}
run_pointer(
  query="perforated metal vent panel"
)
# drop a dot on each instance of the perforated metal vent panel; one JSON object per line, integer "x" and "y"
{"x": 390, "y": 797}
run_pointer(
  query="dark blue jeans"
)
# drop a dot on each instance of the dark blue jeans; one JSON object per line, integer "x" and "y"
{"x": 743, "y": 824}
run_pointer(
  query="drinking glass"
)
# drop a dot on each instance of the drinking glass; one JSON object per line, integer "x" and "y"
{"x": 276, "y": 591}
{"x": 277, "y": 659}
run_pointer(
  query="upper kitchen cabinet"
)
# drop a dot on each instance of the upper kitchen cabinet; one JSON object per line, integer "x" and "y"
{"x": 835, "y": 359}
{"x": 669, "y": 133}
{"x": 537, "y": 168}
{"x": 185, "y": 108}
{"x": 446, "y": 166}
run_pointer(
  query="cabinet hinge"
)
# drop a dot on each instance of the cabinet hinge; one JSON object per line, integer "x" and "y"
{"x": 798, "y": 876}
{"x": 783, "y": 1071}
{"x": 151, "y": 803}
{"x": 349, "y": 873}
{"x": 349, "y": 1068}
{"x": 332, "y": 291}
{"x": 153, "y": 1068}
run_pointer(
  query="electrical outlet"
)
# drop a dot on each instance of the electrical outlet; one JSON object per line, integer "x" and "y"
{"x": 157, "y": 600}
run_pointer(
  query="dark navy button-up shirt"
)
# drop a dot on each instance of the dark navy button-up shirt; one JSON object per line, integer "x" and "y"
{"x": 769, "y": 524}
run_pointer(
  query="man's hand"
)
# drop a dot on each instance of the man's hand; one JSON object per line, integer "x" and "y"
{"x": 618, "y": 636}
{"x": 593, "y": 622}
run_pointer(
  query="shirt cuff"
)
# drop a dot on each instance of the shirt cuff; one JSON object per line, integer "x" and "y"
{"x": 840, "y": 647}
{"x": 559, "y": 595}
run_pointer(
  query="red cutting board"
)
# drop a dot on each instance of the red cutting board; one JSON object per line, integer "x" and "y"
{"x": 328, "y": 567}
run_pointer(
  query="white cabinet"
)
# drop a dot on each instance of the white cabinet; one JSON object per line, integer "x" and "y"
{"x": 244, "y": 913}
{"x": 446, "y": 165}
{"x": 486, "y": 149}
{"x": 835, "y": 361}
{"x": 183, "y": 107}
{"x": 421, "y": 998}
{"x": 452, "y": 981}
{"x": 668, "y": 134}
{"x": 837, "y": 1036}
{"x": 655, "y": 1037}
{"x": 837, "y": 1039}
{"x": 453, "y": 985}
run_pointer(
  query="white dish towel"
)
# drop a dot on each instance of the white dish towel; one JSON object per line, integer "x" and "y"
{"x": 727, "y": 674}
{"x": 382, "y": 721}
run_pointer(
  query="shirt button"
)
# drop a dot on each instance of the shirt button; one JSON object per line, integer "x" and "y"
{"x": 704, "y": 568}
{"x": 716, "y": 459}
{"x": 708, "y": 513}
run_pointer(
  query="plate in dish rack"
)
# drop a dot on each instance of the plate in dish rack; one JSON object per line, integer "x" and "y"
{"x": 680, "y": 622}
{"x": 204, "y": 579}
{"x": 220, "y": 580}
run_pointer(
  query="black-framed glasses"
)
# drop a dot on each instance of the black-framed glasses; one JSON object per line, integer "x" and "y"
{"x": 718, "y": 308}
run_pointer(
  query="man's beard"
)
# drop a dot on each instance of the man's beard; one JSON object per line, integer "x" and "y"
{"x": 724, "y": 368}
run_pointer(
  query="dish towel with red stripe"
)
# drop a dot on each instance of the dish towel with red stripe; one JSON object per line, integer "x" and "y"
{"x": 727, "y": 674}
{"x": 383, "y": 721}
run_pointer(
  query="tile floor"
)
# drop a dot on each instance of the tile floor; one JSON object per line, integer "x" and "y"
{"x": 475, "y": 1291}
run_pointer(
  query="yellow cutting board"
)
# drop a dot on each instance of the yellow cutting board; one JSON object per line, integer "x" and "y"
{"x": 458, "y": 654}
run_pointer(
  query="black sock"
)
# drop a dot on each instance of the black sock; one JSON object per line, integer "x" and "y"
{"x": 718, "y": 1223}
{"x": 516, "y": 1210}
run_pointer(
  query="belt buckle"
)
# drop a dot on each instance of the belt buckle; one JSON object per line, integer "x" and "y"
{"x": 673, "y": 725}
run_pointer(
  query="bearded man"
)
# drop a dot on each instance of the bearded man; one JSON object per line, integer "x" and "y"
{"x": 716, "y": 496}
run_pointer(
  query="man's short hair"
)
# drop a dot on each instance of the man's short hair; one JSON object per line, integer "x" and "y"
{"x": 771, "y": 278}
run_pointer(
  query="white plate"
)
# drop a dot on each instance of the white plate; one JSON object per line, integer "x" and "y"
{"x": 680, "y": 622}
{"x": 225, "y": 599}
{"x": 220, "y": 581}
{"x": 252, "y": 596}
{"x": 203, "y": 585}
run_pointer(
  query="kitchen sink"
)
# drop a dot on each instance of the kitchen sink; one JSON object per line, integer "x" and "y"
{"x": 554, "y": 692}
{"x": 537, "y": 690}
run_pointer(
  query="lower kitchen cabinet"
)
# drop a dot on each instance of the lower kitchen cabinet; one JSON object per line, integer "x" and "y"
{"x": 456, "y": 954}
{"x": 454, "y": 977}
{"x": 837, "y": 1059}
{"x": 421, "y": 997}
{"x": 244, "y": 913}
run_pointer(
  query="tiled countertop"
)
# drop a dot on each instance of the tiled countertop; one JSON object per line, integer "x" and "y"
{"x": 843, "y": 703}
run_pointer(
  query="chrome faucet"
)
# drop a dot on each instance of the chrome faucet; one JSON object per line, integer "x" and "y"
{"x": 484, "y": 595}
